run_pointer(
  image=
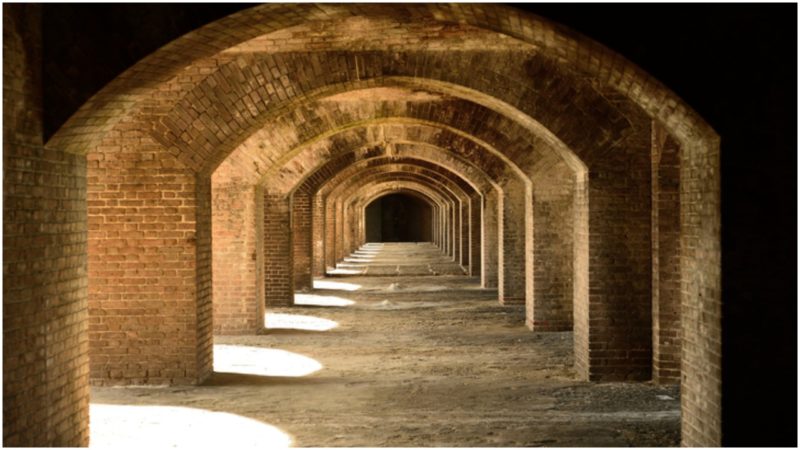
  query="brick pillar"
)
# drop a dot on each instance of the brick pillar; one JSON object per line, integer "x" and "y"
{"x": 278, "y": 267}
{"x": 512, "y": 228}
{"x": 45, "y": 340}
{"x": 701, "y": 308}
{"x": 444, "y": 228}
{"x": 549, "y": 308}
{"x": 339, "y": 233}
{"x": 318, "y": 236}
{"x": 464, "y": 233}
{"x": 475, "y": 206}
{"x": 456, "y": 246}
{"x": 347, "y": 230}
{"x": 330, "y": 233}
{"x": 149, "y": 264}
{"x": 491, "y": 208}
{"x": 666, "y": 229}
{"x": 580, "y": 276}
{"x": 301, "y": 240}
{"x": 620, "y": 274}
{"x": 440, "y": 227}
{"x": 451, "y": 227}
{"x": 435, "y": 220}
{"x": 238, "y": 255}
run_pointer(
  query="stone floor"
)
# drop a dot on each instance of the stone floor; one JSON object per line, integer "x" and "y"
{"x": 386, "y": 259}
{"x": 401, "y": 361}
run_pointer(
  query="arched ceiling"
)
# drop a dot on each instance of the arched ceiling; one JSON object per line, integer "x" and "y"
{"x": 205, "y": 93}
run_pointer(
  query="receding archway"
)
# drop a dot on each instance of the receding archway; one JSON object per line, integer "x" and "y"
{"x": 398, "y": 218}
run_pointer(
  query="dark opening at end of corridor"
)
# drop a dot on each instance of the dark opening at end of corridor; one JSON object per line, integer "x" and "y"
{"x": 398, "y": 218}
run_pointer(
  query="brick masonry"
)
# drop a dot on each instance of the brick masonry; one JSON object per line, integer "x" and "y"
{"x": 45, "y": 317}
{"x": 666, "y": 223}
{"x": 276, "y": 106}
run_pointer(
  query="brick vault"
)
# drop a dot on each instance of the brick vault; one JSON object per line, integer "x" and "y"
{"x": 220, "y": 174}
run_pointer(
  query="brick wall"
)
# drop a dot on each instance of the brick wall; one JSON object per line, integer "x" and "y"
{"x": 544, "y": 72}
{"x": 278, "y": 267}
{"x": 238, "y": 254}
{"x": 620, "y": 337}
{"x": 550, "y": 303}
{"x": 149, "y": 264}
{"x": 666, "y": 223}
{"x": 490, "y": 243}
{"x": 512, "y": 252}
{"x": 474, "y": 237}
{"x": 45, "y": 341}
{"x": 302, "y": 239}
{"x": 700, "y": 294}
{"x": 318, "y": 235}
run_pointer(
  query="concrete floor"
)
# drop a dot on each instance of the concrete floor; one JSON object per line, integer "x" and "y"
{"x": 402, "y": 361}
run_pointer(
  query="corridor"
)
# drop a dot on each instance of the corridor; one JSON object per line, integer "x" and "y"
{"x": 413, "y": 357}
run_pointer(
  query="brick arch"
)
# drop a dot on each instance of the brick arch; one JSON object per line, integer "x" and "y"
{"x": 348, "y": 193}
{"x": 309, "y": 208}
{"x": 369, "y": 192}
{"x": 464, "y": 123}
{"x": 320, "y": 177}
{"x": 196, "y": 48}
{"x": 699, "y": 163}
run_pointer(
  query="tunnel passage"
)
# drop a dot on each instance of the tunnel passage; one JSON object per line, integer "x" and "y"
{"x": 398, "y": 218}
{"x": 195, "y": 187}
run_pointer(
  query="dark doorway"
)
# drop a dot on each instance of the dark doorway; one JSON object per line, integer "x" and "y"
{"x": 398, "y": 218}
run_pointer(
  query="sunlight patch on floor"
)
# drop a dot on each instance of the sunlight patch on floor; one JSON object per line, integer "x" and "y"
{"x": 150, "y": 426}
{"x": 336, "y": 285}
{"x": 339, "y": 271}
{"x": 298, "y": 322}
{"x": 268, "y": 362}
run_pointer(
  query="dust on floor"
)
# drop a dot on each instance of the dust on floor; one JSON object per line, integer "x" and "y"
{"x": 391, "y": 361}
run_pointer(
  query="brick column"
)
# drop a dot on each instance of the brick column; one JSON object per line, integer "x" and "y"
{"x": 619, "y": 312}
{"x": 301, "y": 240}
{"x": 475, "y": 206}
{"x": 45, "y": 339}
{"x": 339, "y": 233}
{"x": 701, "y": 295}
{"x": 512, "y": 228}
{"x": 666, "y": 229}
{"x": 464, "y": 233}
{"x": 330, "y": 233}
{"x": 456, "y": 245}
{"x": 549, "y": 306}
{"x": 489, "y": 238}
{"x": 318, "y": 230}
{"x": 149, "y": 265}
{"x": 278, "y": 266}
{"x": 238, "y": 255}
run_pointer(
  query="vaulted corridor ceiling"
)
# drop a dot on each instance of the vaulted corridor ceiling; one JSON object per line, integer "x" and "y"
{"x": 219, "y": 178}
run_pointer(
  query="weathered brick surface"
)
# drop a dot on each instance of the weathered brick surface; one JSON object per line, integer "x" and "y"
{"x": 347, "y": 187}
{"x": 490, "y": 242}
{"x": 701, "y": 334}
{"x": 666, "y": 222}
{"x": 238, "y": 254}
{"x": 278, "y": 267}
{"x": 45, "y": 341}
{"x": 512, "y": 253}
{"x": 474, "y": 237}
{"x": 620, "y": 274}
{"x": 463, "y": 232}
{"x": 149, "y": 264}
{"x": 302, "y": 239}
{"x": 549, "y": 306}
{"x": 318, "y": 221}
{"x": 346, "y": 168}
{"x": 258, "y": 89}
